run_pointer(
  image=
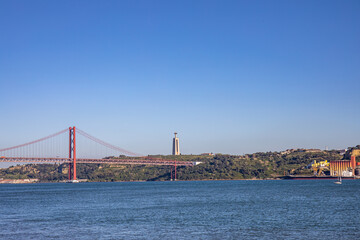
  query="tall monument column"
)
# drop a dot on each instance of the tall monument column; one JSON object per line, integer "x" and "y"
{"x": 176, "y": 147}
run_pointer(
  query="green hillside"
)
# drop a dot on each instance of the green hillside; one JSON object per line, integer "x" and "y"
{"x": 249, "y": 166}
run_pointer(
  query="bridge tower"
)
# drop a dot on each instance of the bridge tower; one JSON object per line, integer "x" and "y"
{"x": 72, "y": 153}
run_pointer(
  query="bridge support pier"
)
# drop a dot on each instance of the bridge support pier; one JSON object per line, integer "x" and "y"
{"x": 69, "y": 172}
{"x": 171, "y": 172}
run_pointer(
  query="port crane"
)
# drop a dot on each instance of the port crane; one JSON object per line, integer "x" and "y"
{"x": 319, "y": 167}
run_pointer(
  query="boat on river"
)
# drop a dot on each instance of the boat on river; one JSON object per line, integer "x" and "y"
{"x": 339, "y": 181}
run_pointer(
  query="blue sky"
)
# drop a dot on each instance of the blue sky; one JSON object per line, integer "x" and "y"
{"x": 229, "y": 76}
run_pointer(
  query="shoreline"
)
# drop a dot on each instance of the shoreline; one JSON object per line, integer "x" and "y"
{"x": 28, "y": 181}
{"x": 34, "y": 181}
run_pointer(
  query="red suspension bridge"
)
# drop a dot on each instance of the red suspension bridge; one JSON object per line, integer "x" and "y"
{"x": 74, "y": 146}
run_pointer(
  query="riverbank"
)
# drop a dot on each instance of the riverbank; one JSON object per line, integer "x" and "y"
{"x": 27, "y": 181}
{"x": 18, "y": 181}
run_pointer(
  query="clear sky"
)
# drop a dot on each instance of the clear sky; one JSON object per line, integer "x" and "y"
{"x": 229, "y": 76}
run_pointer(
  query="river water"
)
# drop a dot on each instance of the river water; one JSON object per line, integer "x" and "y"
{"x": 280, "y": 209}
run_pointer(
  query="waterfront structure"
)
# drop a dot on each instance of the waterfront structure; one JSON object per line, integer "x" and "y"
{"x": 341, "y": 168}
{"x": 346, "y": 167}
{"x": 176, "y": 146}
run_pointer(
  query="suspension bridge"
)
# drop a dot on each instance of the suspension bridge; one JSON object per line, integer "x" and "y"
{"x": 73, "y": 146}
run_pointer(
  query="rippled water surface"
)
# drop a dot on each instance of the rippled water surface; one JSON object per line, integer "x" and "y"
{"x": 182, "y": 210}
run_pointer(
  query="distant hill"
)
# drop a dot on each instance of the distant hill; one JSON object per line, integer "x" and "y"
{"x": 262, "y": 165}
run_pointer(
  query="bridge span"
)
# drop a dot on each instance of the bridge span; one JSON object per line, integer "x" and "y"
{"x": 49, "y": 149}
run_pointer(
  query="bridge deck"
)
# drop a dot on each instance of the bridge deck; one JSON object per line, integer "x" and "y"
{"x": 129, "y": 161}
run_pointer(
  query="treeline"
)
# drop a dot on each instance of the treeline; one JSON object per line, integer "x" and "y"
{"x": 250, "y": 166}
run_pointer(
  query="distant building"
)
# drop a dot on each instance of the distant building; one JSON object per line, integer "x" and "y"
{"x": 313, "y": 150}
{"x": 288, "y": 151}
{"x": 176, "y": 146}
{"x": 207, "y": 154}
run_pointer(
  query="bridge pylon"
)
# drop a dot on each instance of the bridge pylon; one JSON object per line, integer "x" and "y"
{"x": 72, "y": 153}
